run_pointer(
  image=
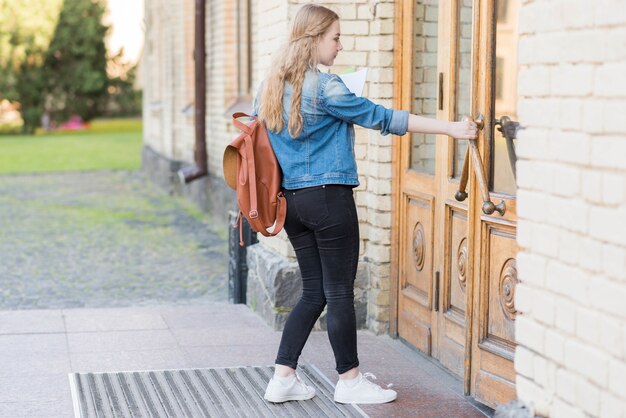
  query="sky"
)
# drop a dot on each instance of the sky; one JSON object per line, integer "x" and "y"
{"x": 127, "y": 28}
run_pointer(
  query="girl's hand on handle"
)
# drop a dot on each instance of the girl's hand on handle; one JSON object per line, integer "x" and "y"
{"x": 466, "y": 129}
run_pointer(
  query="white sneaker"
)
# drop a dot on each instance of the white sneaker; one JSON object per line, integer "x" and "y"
{"x": 364, "y": 391}
{"x": 295, "y": 390}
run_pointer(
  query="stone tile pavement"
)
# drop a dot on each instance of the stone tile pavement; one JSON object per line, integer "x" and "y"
{"x": 39, "y": 348}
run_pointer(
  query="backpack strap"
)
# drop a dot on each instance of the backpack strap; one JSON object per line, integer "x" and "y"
{"x": 239, "y": 224}
{"x": 281, "y": 213}
{"x": 242, "y": 126}
{"x": 253, "y": 215}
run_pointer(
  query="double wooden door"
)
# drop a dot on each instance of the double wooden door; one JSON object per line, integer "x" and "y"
{"x": 454, "y": 244}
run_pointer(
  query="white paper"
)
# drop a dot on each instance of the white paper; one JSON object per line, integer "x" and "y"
{"x": 355, "y": 81}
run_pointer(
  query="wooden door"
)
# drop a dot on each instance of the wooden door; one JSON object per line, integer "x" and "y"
{"x": 494, "y": 245}
{"x": 417, "y": 184}
{"x": 454, "y": 266}
{"x": 431, "y": 226}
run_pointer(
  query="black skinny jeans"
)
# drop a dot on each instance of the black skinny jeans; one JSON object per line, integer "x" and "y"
{"x": 323, "y": 228}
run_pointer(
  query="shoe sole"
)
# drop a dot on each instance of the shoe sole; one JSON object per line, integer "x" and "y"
{"x": 366, "y": 402}
{"x": 289, "y": 398}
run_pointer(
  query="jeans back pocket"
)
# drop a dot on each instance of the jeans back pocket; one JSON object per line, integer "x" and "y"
{"x": 311, "y": 205}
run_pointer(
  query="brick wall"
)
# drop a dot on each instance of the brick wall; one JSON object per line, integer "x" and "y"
{"x": 218, "y": 133}
{"x": 154, "y": 76}
{"x": 168, "y": 65}
{"x": 367, "y": 36}
{"x": 372, "y": 29}
{"x": 571, "y": 358}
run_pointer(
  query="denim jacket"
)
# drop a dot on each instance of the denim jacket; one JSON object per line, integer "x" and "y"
{"x": 323, "y": 153}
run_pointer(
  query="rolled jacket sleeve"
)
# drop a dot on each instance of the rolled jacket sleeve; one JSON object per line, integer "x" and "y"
{"x": 399, "y": 122}
{"x": 341, "y": 103}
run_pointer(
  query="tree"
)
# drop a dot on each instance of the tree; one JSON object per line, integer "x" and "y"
{"x": 26, "y": 27}
{"x": 124, "y": 99}
{"x": 30, "y": 87}
{"x": 75, "y": 63}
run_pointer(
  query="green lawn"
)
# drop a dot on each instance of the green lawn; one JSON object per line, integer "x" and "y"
{"x": 109, "y": 144}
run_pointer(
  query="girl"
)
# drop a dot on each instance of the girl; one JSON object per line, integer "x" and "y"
{"x": 309, "y": 116}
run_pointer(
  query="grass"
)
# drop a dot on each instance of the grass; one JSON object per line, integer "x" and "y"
{"x": 108, "y": 144}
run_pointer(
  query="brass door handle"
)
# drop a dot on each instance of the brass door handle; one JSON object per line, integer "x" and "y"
{"x": 508, "y": 128}
{"x": 479, "y": 121}
{"x": 461, "y": 194}
{"x": 488, "y": 206}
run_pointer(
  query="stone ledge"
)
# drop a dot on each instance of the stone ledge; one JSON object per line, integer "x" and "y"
{"x": 274, "y": 287}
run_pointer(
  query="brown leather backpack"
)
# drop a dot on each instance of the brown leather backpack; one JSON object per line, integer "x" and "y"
{"x": 251, "y": 168}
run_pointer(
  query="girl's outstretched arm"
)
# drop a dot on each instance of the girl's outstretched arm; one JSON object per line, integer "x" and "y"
{"x": 459, "y": 130}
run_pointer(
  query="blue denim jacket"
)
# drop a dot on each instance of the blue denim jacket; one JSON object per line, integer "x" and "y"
{"x": 323, "y": 153}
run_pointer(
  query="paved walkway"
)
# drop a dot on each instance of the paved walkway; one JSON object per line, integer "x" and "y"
{"x": 40, "y": 347}
{"x": 102, "y": 239}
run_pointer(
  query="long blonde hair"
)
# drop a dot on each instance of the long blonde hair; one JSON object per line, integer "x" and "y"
{"x": 290, "y": 65}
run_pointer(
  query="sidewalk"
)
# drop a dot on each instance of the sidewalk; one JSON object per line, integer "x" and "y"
{"x": 40, "y": 347}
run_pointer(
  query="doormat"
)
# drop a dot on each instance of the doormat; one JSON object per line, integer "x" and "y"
{"x": 216, "y": 392}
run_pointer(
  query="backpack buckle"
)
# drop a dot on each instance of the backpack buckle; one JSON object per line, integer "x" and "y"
{"x": 253, "y": 214}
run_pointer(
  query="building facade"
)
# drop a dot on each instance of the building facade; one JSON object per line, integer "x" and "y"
{"x": 503, "y": 259}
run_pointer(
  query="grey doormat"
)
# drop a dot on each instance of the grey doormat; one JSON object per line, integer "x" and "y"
{"x": 218, "y": 392}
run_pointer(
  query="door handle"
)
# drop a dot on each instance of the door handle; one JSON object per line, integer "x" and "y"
{"x": 508, "y": 128}
{"x": 461, "y": 194}
{"x": 488, "y": 206}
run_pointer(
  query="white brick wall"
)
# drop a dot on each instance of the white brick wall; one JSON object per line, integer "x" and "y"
{"x": 571, "y": 357}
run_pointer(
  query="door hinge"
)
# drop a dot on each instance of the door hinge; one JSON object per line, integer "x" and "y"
{"x": 436, "y": 304}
